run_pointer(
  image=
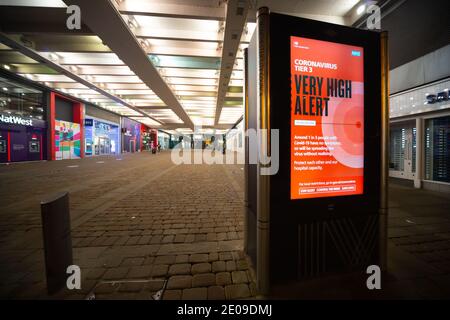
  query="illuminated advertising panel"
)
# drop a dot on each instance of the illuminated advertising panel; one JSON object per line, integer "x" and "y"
{"x": 327, "y": 119}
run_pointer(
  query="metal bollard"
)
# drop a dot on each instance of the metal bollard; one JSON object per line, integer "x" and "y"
{"x": 55, "y": 216}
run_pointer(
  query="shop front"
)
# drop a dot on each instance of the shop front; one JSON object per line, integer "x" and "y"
{"x": 420, "y": 136}
{"x": 21, "y": 139}
{"x": 67, "y": 130}
{"x": 22, "y": 125}
{"x": 149, "y": 138}
{"x": 131, "y": 135}
{"x": 101, "y": 137}
{"x": 163, "y": 140}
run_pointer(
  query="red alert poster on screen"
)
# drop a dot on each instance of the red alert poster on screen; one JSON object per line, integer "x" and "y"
{"x": 327, "y": 119}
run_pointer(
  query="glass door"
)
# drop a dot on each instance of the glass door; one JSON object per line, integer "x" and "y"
{"x": 105, "y": 146}
{"x": 402, "y": 158}
{"x": 4, "y": 146}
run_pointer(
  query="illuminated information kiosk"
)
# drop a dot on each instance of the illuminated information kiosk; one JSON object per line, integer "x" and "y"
{"x": 327, "y": 119}
{"x": 324, "y": 88}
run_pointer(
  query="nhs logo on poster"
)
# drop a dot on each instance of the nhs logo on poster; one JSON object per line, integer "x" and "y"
{"x": 356, "y": 53}
{"x": 298, "y": 45}
{"x": 88, "y": 122}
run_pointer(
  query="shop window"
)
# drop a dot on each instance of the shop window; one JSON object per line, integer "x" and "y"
{"x": 414, "y": 139}
{"x": 437, "y": 149}
{"x": 20, "y": 100}
{"x": 3, "y": 146}
{"x": 397, "y": 149}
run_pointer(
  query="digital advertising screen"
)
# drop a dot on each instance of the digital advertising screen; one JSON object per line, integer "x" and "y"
{"x": 327, "y": 119}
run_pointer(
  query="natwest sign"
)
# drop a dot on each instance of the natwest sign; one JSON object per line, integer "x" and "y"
{"x": 15, "y": 120}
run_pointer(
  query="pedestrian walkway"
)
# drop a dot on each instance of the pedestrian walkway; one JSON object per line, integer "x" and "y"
{"x": 418, "y": 254}
{"x": 137, "y": 221}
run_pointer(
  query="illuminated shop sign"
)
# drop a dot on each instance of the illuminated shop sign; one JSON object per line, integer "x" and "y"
{"x": 438, "y": 97}
{"x": 102, "y": 126}
{"x": 16, "y": 120}
{"x": 327, "y": 119}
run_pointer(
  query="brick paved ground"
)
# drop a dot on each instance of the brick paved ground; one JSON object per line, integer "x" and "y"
{"x": 135, "y": 223}
{"x": 138, "y": 221}
{"x": 418, "y": 253}
{"x": 419, "y": 242}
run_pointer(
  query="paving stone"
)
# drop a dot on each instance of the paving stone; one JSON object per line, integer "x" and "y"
{"x": 172, "y": 295}
{"x": 132, "y": 240}
{"x": 143, "y": 295}
{"x": 169, "y": 259}
{"x": 96, "y": 273}
{"x": 238, "y": 255}
{"x": 144, "y": 239}
{"x": 160, "y": 270}
{"x": 156, "y": 239}
{"x": 168, "y": 239}
{"x": 242, "y": 264}
{"x": 239, "y": 277}
{"x": 225, "y": 256}
{"x": 198, "y": 258}
{"x": 203, "y": 280}
{"x": 154, "y": 285}
{"x": 216, "y": 293}
{"x": 223, "y": 278}
{"x": 221, "y": 236}
{"x": 195, "y": 294}
{"x": 131, "y": 286}
{"x": 200, "y": 237}
{"x": 179, "y": 238}
{"x": 139, "y": 272}
{"x": 148, "y": 260}
{"x": 113, "y": 262}
{"x": 201, "y": 268}
{"x": 219, "y": 266}
{"x": 237, "y": 291}
{"x": 179, "y": 282}
{"x": 109, "y": 241}
{"x": 232, "y": 235}
{"x": 122, "y": 240}
{"x": 106, "y": 288}
{"x": 128, "y": 262}
{"x": 231, "y": 265}
{"x": 213, "y": 256}
{"x": 182, "y": 258}
{"x": 211, "y": 237}
{"x": 116, "y": 273}
{"x": 117, "y": 296}
{"x": 182, "y": 268}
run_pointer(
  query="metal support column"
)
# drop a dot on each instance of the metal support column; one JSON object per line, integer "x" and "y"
{"x": 263, "y": 193}
{"x": 246, "y": 155}
{"x": 419, "y": 153}
{"x": 384, "y": 159}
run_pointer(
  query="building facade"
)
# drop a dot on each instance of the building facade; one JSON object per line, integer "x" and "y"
{"x": 420, "y": 122}
{"x": 23, "y": 122}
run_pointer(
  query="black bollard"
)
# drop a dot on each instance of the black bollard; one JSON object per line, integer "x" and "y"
{"x": 55, "y": 215}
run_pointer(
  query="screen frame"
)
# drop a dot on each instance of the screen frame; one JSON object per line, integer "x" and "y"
{"x": 285, "y": 210}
